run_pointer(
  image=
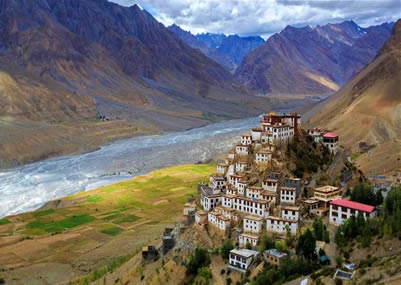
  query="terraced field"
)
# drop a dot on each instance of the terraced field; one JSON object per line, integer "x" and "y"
{"x": 77, "y": 234}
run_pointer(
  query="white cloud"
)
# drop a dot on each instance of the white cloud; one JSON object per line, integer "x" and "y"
{"x": 265, "y": 17}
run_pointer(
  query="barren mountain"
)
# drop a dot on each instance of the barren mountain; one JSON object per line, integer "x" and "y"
{"x": 311, "y": 60}
{"x": 236, "y": 47}
{"x": 66, "y": 60}
{"x": 367, "y": 110}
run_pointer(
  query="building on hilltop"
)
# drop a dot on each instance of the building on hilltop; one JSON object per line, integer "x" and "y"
{"x": 253, "y": 224}
{"x": 279, "y": 225}
{"x": 288, "y": 195}
{"x": 246, "y": 238}
{"x": 331, "y": 141}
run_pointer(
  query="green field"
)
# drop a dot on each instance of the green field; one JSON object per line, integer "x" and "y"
{"x": 153, "y": 198}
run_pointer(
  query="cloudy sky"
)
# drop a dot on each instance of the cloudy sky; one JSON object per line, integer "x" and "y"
{"x": 265, "y": 17}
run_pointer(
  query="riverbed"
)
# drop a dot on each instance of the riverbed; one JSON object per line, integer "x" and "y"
{"x": 29, "y": 187}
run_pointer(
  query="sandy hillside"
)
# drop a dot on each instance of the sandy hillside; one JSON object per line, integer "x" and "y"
{"x": 368, "y": 108}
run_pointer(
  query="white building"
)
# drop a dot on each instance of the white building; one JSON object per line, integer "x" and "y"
{"x": 251, "y": 206}
{"x": 229, "y": 213}
{"x": 227, "y": 200}
{"x": 218, "y": 182}
{"x": 242, "y": 149}
{"x": 210, "y": 198}
{"x": 222, "y": 168}
{"x": 241, "y": 258}
{"x": 254, "y": 192}
{"x": 290, "y": 213}
{"x": 331, "y": 141}
{"x": 263, "y": 157}
{"x": 241, "y": 166}
{"x": 316, "y": 134}
{"x": 256, "y": 135}
{"x": 252, "y": 224}
{"x": 341, "y": 210}
{"x": 242, "y": 185}
{"x": 244, "y": 239}
{"x": 231, "y": 155}
{"x": 269, "y": 196}
{"x": 246, "y": 139}
{"x": 278, "y": 225}
{"x": 218, "y": 220}
{"x": 270, "y": 184}
{"x": 288, "y": 195}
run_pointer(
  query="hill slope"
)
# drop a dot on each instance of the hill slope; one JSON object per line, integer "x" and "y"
{"x": 311, "y": 60}
{"x": 65, "y": 60}
{"x": 368, "y": 108}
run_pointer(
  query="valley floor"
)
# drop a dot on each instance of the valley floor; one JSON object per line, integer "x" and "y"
{"x": 73, "y": 236}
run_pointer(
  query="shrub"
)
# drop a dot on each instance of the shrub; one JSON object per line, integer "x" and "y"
{"x": 199, "y": 259}
{"x": 229, "y": 281}
{"x": 226, "y": 248}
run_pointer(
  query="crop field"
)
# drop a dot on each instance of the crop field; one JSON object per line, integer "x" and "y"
{"x": 91, "y": 228}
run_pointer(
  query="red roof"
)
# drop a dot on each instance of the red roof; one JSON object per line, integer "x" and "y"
{"x": 330, "y": 135}
{"x": 353, "y": 205}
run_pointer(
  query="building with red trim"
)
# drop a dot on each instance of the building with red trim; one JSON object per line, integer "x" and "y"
{"x": 330, "y": 140}
{"x": 341, "y": 210}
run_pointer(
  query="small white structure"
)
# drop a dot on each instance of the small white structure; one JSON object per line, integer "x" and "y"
{"x": 290, "y": 213}
{"x": 256, "y": 135}
{"x": 242, "y": 150}
{"x": 229, "y": 213}
{"x": 269, "y": 196}
{"x": 330, "y": 140}
{"x": 246, "y": 139}
{"x": 201, "y": 217}
{"x": 241, "y": 166}
{"x": 341, "y": 210}
{"x": 222, "y": 168}
{"x": 210, "y": 198}
{"x": 316, "y": 134}
{"x": 252, "y": 224}
{"x": 288, "y": 195}
{"x": 270, "y": 184}
{"x": 218, "y": 182}
{"x": 254, "y": 192}
{"x": 218, "y": 220}
{"x": 231, "y": 155}
{"x": 244, "y": 239}
{"x": 227, "y": 200}
{"x": 263, "y": 157}
{"x": 278, "y": 225}
{"x": 242, "y": 185}
{"x": 241, "y": 259}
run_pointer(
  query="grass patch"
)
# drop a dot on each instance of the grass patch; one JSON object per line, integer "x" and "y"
{"x": 355, "y": 155}
{"x": 112, "y": 231}
{"x": 43, "y": 213}
{"x": 4, "y": 222}
{"x": 94, "y": 199}
{"x": 127, "y": 219}
{"x": 59, "y": 226}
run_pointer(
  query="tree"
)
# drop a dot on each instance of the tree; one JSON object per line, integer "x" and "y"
{"x": 379, "y": 198}
{"x": 318, "y": 228}
{"x": 306, "y": 246}
{"x": 226, "y": 248}
{"x": 199, "y": 259}
{"x": 266, "y": 242}
{"x": 363, "y": 193}
{"x": 280, "y": 246}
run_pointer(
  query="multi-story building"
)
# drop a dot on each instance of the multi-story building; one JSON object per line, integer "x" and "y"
{"x": 229, "y": 213}
{"x": 210, "y": 198}
{"x": 263, "y": 157}
{"x": 245, "y": 238}
{"x": 242, "y": 258}
{"x": 288, "y": 195}
{"x": 326, "y": 194}
{"x": 253, "y": 224}
{"x": 254, "y": 192}
{"x": 290, "y": 213}
{"x": 270, "y": 184}
{"x": 274, "y": 257}
{"x": 269, "y": 196}
{"x": 201, "y": 217}
{"x": 331, "y": 141}
{"x": 218, "y": 182}
{"x": 279, "y": 225}
{"x": 246, "y": 139}
{"x": 293, "y": 182}
{"x": 241, "y": 166}
{"x": 256, "y": 134}
{"x": 218, "y": 220}
{"x": 251, "y": 206}
{"x": 242, "y": 150}
{"x": 222, "y": 168}
{"x": 316, "y": 134}
{"x": 341, "y": 210}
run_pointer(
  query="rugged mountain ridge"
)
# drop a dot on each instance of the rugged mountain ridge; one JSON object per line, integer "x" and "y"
{"x": 311, "y": 60}
{"x": 367, "y": 110}
{"x": 125, "y": 60}
{"x": 228, "y": 51}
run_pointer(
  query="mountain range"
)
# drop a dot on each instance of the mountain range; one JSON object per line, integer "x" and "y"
{"x": 366, "y": 112}
{"x": 228, "y": 51}
{"x": 309, "y": 60}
